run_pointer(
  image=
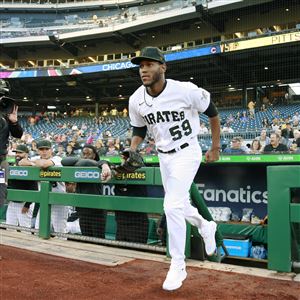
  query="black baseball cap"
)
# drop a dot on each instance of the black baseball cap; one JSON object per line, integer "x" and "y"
{"x": 149, "y": 53}
{"x": 21, "y": 148}
{"x": 44, "y": 144}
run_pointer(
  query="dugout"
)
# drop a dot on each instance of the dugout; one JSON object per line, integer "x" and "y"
{"x": 224, "y": 168}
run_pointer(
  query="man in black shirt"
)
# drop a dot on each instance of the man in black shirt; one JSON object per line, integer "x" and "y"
{"x": 274, "y": 145}
{"x": 91, "y": 220}
{"x": 8, "y": 126}
{"x": 20, "y": 213}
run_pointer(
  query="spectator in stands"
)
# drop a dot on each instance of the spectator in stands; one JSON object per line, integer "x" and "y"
{"x": 294, "y": 145}
{"x": 265, "y": 123}
{"x": 60, "y": 151}
{"x": 125, "y": 113}
{"x": 114, "y": 112}
{"x": 105, "y": 113}
{"x": 244, "y": 118}
{"x": 90, "y": 138}
{"x": 83, "y": 127}
{"x": 266, "y": 102}
{"x": 251, "y": 108}
{"x": 100, "y": 147}
{"x": 150, "y": 148}
{"x": 70, "y": 150}
{"x": 293, "y": 148}
{"x": 75, "y": 128}
{"x": 263, "y": 108}
{"x": 235, "y": 147}
{"x": 111, "y": 149}
{"x": 227, "y": 129}
{"x": 275, "y": 125}
{"x": 106, "y": 134}
{"x": 11, "y": 148}
{"x": 287, "y": 132}
{"x": 276, "y": 114}
{"x": 282, "y": 140}
{"x": 27, "y": 138}
{"x": 203, "y": 129}
{"x": 275, "y": 145}
{"x": 128, "y": 133}
{"x": 125, "y": 144}
{"x": 64, "y": 140}
{"x": 297, "y": 137}
{"x": 296, "y": 124}
{"x": 296, "y": 117}
{"x": 117, "y": 144}
{"x": 230, "y": 119}
{"x": 33, "y": 149}
{"x": 255, "y": 147}
{"x": 92, "y": 221}
{"x": 263, "y": 138}
{"x": 74, "y": 142}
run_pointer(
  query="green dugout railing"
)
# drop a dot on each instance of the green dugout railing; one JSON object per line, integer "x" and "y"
{"x": 282, "y": 217}
{"x": 263, "y": 158}
{"x": 144, "y": 176}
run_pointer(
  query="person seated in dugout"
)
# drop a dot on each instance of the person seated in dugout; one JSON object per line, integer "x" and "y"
{"x": 91, "y": 220}
{"x": 131, "y": 226}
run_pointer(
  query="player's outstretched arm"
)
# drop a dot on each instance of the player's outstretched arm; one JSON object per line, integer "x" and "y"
{"x": 135, "y": 141}
{"x": 214, "y": 153}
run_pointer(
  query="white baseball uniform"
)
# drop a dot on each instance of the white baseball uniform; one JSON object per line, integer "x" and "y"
{"x": 172, "y": 118}
{"x": 59, "y": 213}
{"x": 14, "y": 215}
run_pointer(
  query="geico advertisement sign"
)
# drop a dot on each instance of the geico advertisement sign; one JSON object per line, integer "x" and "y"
{"x": 87, "y": 175}
{"x": 21, "y": 173}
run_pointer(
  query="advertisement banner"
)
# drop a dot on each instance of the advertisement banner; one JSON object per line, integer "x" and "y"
{"x": 226, "y": 185}
{"x": 106, "y": 67}
{"x": 233, "y": 186}
{"x": 261, "y": 42}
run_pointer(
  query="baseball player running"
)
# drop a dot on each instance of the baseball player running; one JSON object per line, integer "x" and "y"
{"x": 169, "y": 110}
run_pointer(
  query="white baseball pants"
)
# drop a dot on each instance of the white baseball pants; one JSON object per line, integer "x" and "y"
{"x": 15, "y": 217}
{"x": 59, "y": 217}
{"x": 178, "y": 171}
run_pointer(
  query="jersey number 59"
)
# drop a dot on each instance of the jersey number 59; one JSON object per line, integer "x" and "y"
{"x": 177, "y": 131}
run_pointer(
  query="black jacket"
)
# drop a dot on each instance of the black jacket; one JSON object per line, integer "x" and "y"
{"x": 6, "y": 128}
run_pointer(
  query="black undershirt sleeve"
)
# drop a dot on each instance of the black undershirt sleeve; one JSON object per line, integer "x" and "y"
{"x": 139, "y": 131}
{"x": 212, "y": 110}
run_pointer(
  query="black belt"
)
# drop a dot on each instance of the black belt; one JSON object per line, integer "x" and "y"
{"x": 174, "y": 150}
